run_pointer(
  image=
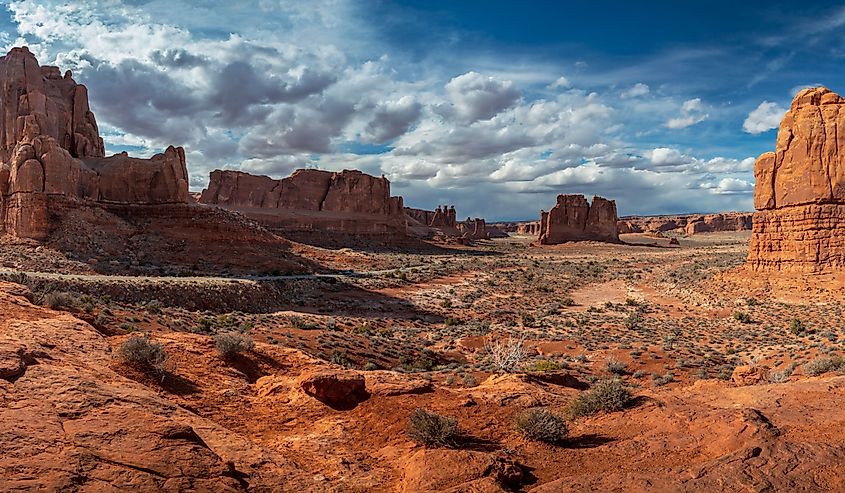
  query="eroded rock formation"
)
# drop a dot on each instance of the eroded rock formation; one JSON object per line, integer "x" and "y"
{"x": 349, "y": 201}
{"x": 444, "y": 216}
{"x": 573, "y": 218}
{"x": 474, "y": 229}
{"x": 799, "y": 192}
{"x": 689, "y": 223}
{"x": 50, "y": 150}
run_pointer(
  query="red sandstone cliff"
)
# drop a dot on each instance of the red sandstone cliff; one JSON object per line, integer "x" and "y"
{"x": 800, "y": 189}
{"x": 348, "y": 202}
{"x": 51, "y": 150}
{"x": 573, "y": 218}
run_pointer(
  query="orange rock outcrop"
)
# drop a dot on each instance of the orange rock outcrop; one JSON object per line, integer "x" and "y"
{"x": 799, "y": 191}
{"x": 573, "y": 219}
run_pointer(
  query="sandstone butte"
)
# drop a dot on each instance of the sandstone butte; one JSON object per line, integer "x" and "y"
{"x": 799, "y": 191}
{"x": 58, "y": 187}
{"x": 345, "y": 202}
{"x": 50, "y": 148}
{"x": 573, "y": 219}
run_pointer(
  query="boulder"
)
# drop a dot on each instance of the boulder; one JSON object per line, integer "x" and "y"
{"x": 799, "y": 190}
{"x": 573, "y": 219}
{"x": 749, "y": 375}
{"x": 338, "y": 389}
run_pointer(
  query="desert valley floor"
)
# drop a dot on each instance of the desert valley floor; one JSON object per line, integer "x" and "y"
{"x": 733, "y": 382}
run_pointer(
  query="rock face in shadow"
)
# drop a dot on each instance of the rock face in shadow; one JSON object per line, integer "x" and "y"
{"x": 442, "y": 224}
{"x": 799, "y": 191}
{"x": 51, "y": 149}
{"x": 574, "y": 219}
{"x": 349, "y": 201}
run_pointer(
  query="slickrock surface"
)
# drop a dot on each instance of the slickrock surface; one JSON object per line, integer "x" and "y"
{"x": 800, "y": 190}
{"x": 346, "y": 202}
{"x": 573, "y": 219}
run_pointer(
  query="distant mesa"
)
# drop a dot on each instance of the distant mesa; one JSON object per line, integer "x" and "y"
{"x": 310, "y": 201}
{"x": 799, "y": 191}
{"x": 688, "y": 224}
{"x": 574, "y": 219}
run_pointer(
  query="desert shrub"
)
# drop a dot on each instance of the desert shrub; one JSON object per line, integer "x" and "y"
{"x": 742, "y": 317}
{"x": 633, "y": 321}
{"x": 823, "y": 365}
{"x": 541, "y": 425}
{"x": 302, "y": 324}
{"x": 661, "y": 380}
{"x": 605, "y": 396}
{"x": 528, "y": 320}
{"x": 143, "y": 353}
{"x": 154, "y": 306}
{"x": 546, "y": 365}
{"x": 797, "y": 327}
{"x": 231, "y": 344}
{"x": 615, "y": 366}
{"x": 506, "y": 356}
{"x": 432, "y": 430}
{"x": 781, "y": 376}
{"x": 59, "y": 299}
{"x": 469, "y": 380}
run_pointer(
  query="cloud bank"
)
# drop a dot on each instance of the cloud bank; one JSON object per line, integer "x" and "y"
{"x": 268, "y": 87}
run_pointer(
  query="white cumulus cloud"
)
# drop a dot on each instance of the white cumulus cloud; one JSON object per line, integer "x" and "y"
{"x": 763, "y": 118}
{"x": 692, "y": 112}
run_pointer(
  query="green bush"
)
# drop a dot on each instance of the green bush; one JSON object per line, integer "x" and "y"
{"x": 545, "y": 365}
{"x": 432, "y": 430}
{"x": 143, "y": 353}
{"x": 541, "y": 425}
{"x": 742, "y": 317}
{"x": 797, "y": 327}
{"x": 605, "y": 396}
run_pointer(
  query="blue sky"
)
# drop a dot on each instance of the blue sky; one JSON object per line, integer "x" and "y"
{"x": 493, "y": 106}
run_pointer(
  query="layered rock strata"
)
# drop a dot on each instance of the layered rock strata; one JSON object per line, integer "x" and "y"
{"x": 573, "y": 219}
{"x": 349, "y": 201}
{"x": 799, "y": 191}
{"x": 689, "y": 223}
{"x": 50, "y": 150}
